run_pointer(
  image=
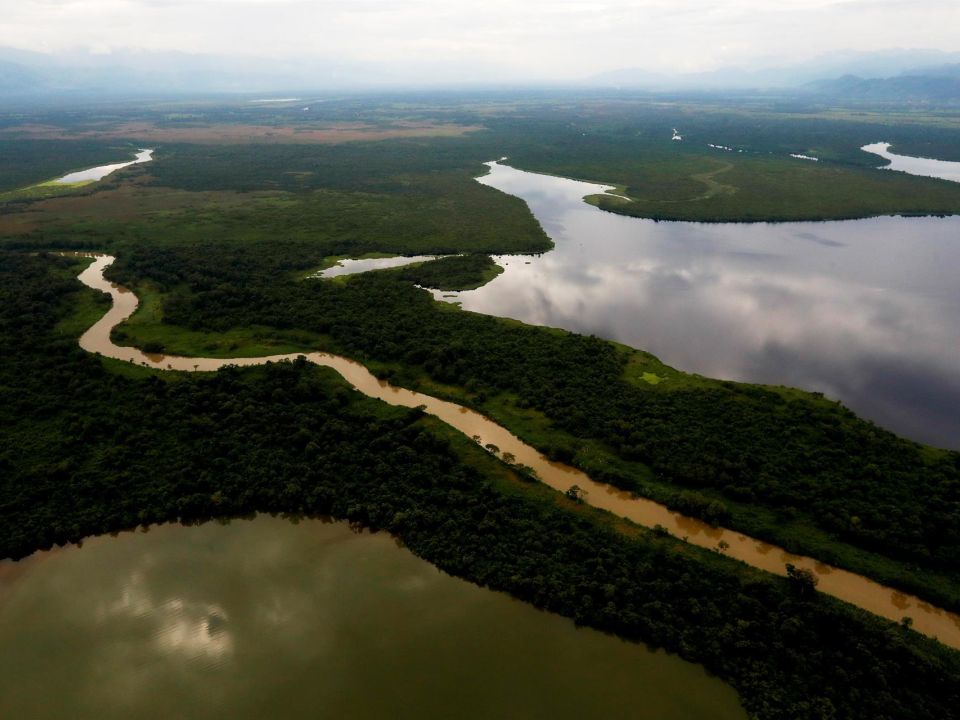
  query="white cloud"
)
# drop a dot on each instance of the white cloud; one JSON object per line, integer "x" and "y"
{"x": 536, "y": 38}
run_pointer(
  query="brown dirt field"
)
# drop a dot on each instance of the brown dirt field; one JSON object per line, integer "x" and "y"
{"x": 230, "y": 134}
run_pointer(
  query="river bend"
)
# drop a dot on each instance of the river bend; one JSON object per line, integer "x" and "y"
{"x": 850, "y": 587}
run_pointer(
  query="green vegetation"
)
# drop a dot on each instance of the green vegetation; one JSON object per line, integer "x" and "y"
{"x": 458, "y": 272}
{"x": 85, "y": 450}
{"x": 223, "y": 278}
{"x": 757, "y": 181}
{"x": 216, "y": 240}
{"x": 770, "y": 189}
{"x": 43, "y": 191}
{"x": 31, "y": 162}
{"x": 799, "y": 461}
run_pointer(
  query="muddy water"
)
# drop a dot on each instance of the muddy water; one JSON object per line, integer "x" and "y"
{"x": 855, "y": 589}
{"x": 276, "y": 619}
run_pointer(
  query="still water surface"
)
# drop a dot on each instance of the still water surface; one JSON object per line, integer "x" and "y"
{"x": 101, "y": 171}
{"x": 267, "y": 618}
{"x": 866, "y": 311}
{"x": 352, "y": 266}
{"x": 927, "y": 167}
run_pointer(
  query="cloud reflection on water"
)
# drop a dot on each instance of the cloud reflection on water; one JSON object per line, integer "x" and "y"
{"x": 865, "y": 311}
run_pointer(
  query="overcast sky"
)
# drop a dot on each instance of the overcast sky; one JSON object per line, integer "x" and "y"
{"x": 532, "y": 39}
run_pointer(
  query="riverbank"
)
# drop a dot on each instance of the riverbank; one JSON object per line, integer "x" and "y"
{"x": 162, "y": 445}
{"x": 857, "y": 590}
{"x": 539, "y": 382}
{"x": 755, "y": 187}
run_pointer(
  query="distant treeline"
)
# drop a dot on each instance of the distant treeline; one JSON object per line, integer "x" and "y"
{"x": 27, "y": 162}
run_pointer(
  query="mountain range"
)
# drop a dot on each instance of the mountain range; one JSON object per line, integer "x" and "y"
{"x": 888, "y": 75}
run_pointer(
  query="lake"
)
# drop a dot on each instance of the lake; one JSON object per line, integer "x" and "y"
{"x": 865, "y": 311}
{"x": 271, "y": 618}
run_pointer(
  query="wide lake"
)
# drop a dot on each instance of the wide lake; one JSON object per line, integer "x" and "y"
{"x": 865, "y": 311}
{"x": 271, "y": 618}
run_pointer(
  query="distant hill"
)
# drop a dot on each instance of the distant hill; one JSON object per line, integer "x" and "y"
{"x": 940, "y": 88}
{"x": 771, "y": 74}
{"x": 949, "y": 70}
{"x": 914, "y": 75}
{"x": 132, "y": 72}
{"x": 16, "y": 78}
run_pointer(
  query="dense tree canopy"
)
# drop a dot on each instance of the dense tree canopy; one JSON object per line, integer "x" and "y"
{"x": 86, "y": 450}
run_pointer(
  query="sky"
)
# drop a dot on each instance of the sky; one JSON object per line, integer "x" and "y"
{"x": 509, "y": 39}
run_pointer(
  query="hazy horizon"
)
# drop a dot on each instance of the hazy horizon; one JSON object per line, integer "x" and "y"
{"x": 428, "y": 41}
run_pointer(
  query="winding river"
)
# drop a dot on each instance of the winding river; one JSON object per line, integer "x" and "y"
{"x": 855, "y": 589}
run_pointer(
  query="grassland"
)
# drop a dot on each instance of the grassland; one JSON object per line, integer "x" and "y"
{"x": 243, "y": 133}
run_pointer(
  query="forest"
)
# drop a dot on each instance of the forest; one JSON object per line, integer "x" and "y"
{"x": 88, "y": 450}
{"x": 793, "y": 458}
{"x": 778, "y": 464}
{"x": 218, "y": 240}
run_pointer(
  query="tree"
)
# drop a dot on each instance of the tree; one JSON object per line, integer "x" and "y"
{"x": 803, "y": 581}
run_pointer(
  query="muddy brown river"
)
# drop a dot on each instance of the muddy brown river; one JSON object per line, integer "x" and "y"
{"x": 850, "y": 587}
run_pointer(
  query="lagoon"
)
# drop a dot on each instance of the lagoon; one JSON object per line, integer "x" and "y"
{"x": 273, "y": 618}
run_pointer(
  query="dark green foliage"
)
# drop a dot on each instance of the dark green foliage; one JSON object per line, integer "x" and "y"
{"x": 85, "y": 451}
{"x": 794, "y": 453}
{"x": 26, "y": 162}
{"x": 231, "y": 263}
{"x": 460, "y": 272}
{"x": 630, "y": 146}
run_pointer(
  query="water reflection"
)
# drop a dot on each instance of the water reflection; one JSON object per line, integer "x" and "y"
{"x": 352, "y": 266}
{"x": 927, "y": 167}
{"x": 865, "y": 311}
{"x": 845, "y": 585}
{"x": 100, "y": 172}
{"x": 267, "y": 618}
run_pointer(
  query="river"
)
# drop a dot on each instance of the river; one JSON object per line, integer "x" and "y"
{"x": 101, "y": 171}
{"x": 232, "y": 619}
{"x": 855, "y": 589}
{"x": 926, "y": 167}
